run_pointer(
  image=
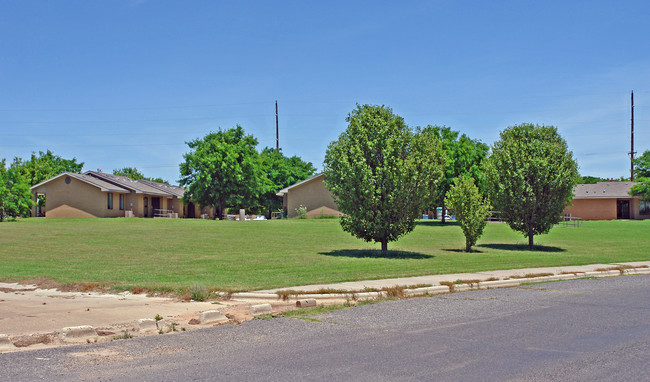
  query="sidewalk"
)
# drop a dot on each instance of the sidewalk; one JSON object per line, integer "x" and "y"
{"x": 36, "y": 317}
{"x": 498, "y": 278}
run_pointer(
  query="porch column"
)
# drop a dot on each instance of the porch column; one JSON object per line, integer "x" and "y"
{"x": 35, "y": 205}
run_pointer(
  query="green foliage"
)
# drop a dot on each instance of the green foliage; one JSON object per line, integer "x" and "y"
{"x": 470, "y": 208}
{"x": 642, "y": 175}
{"x": 642, "y": 189}
{"x": 531, "y": 174}
{"x": 222, "y": 169}
{"x": 279, "y": 172}
{"x": 135, "y": 174}
{"x": 642, "y": 165}
{"x": 463, "y": 157}
{"x": 380, "y": 174}
{"x": 45, "y": 166}
{"x": 15, "y": 195}
{"x": 591, "y": 180}
{"x": 302, "y": 212}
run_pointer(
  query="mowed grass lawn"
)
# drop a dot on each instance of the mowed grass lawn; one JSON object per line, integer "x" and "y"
{"x": 172, "y": 255}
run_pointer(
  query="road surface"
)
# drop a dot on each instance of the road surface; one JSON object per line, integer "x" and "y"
{"x": 580, "y": 330}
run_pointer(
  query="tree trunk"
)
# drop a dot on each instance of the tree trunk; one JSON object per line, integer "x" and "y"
{"x": 443, "y": 213}
{"x": 384, "y": 246}
{"x": 530, "y": 240}
{"x": 468, "y": 246}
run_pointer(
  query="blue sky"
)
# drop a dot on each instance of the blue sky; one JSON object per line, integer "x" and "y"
{"x": 127, "y": 83}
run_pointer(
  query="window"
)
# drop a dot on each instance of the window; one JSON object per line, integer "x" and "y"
{"x": 110, "y": 200}
{"x": 121, "y": 201}
{"x": 644, "y": 207}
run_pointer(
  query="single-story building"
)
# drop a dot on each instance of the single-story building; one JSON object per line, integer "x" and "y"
{"x": 312, "y": 194}
{"x": 607, "y": 201}
{"x": 96, "y": 194}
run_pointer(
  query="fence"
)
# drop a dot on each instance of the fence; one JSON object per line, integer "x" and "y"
{"x": 565, "y": 221}
{"x": 168, "y": 214}
{"x": 569, "y": 221}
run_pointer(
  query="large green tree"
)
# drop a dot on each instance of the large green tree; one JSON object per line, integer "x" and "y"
{"x": 381, "y": 174}
{"x": 530, "y": 175}
{"x": 15, "y": 196}
{"x": 278, "y": 172}
{"x": 464, "y": 157}
{"x": 46, "y": 165}
{"x": 222, "y": 170}
{"x": 470, "y": 208}
{"x": 642, "y": 175}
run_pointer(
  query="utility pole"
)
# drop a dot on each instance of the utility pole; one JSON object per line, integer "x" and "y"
{"x": 632, "y": 137}
{"x": 277, "y": 129}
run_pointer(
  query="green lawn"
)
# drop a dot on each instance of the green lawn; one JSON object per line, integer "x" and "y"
{"x": 174, "y": 254}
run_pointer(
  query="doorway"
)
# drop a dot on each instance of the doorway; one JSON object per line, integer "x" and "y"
{"x": 190, "y": 210}
{"x": 623, "y": 209}
{"x": 155, "y": 206}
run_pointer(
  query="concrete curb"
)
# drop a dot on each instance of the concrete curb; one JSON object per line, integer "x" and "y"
{"x": 438, "y": 289}
{"x": 211, "y": 316}
{"x": 147, "y": 325}
{"x": 5, "y": 342}
{"x": 307, "y": 303}
{"x": 261, "y": 309}
{"x": 78, "y": 333}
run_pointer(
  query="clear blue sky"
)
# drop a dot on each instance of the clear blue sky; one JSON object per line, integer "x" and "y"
{"x": 127, "y": 83}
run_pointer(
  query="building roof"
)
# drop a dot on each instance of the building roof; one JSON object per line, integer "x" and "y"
{"x": 99, "y": 183}
{"x": 286, "y": 189}
{"x": 603, "y": 190}
{"x": 138, "y": 186}
{"x": 121, "y": 184}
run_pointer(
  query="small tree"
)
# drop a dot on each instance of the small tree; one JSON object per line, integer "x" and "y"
{"x": 463, "y": 157}
{"x": 530, "y": 175}
{"x": 380, "y": 174}
{"x": 470, "y": 208}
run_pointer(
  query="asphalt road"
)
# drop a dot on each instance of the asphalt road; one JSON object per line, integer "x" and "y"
{"x": 581, "y": 330}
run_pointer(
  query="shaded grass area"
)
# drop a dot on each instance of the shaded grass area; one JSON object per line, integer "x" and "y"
{"x": 174, "y": 255}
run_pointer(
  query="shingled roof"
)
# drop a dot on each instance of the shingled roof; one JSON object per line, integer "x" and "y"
{"x": 603, "y": 190}
{"x": 138, "y": 186}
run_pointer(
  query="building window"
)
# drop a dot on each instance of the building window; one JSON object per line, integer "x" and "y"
{"x": 121, "y": 201}
{"x": 110, "y": 200}
{"x": 644, "y": 207}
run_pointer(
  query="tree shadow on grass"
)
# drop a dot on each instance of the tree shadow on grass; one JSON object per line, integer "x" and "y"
{"x": 436, "y": 223}
{"x": 462, "y": 250}
{"x": 376, "y": 254}
{"x": 522, "y": 247}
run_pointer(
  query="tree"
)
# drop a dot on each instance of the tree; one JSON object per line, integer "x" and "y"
{"x": 470, "y": 208}
{"x": 278, "y": 172}
{"x": 15, "y": 196}
{"x": 587, "y": 179}
{"x": 222, "y": 169}
{"x": 530, "y": 176}
{"x": 380, "y": 174}
{"x": 45, "y": 166}
{"x": 135, "y": 174}
{"x": 463, "y": 158}
{"x": 642, "y": 165}
{"x": 642, "y": 175}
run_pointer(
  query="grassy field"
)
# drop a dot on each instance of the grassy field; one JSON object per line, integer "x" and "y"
{"x": 172, "y": 255}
